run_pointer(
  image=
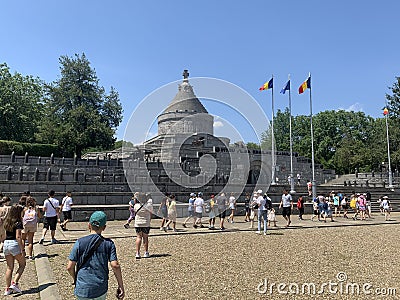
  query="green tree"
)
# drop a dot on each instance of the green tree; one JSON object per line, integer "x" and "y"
{"x": 79, "y": 114}
{"x": 21, "y": 107}
{"x": 394, "y": 123}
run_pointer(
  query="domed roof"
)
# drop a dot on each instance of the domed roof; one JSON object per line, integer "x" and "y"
{"x": 185, "y": 100}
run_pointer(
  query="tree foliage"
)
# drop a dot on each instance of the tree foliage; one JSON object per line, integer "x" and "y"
{"x": 21, "y": 106}
{"x": 343, "y": 140}
{"x": 79, "y": 113}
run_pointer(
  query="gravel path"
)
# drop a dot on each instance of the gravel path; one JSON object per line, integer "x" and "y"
{"x": 231, "y": 265}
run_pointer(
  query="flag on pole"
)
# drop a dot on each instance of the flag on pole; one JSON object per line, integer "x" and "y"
{"x": 305, "y": 85}
{"x": 385, "y": 111}
{"x": 268, "y": 85}
{"x": 286, "y": 88}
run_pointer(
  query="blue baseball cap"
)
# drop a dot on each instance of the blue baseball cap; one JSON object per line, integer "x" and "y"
{"x": 98, "y": 219}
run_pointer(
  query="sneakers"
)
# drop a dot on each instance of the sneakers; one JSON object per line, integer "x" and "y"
{"x": 41, "y": 241}
{"x": 15, "y": 287}
{"x": 31, "y": 258}
{"x": 184, "y": 225}
{"x": 146, "y": 254}
{"x": 126, "y": 226}
{"x": 7, "y": 291}
{"x": 137, "y": 256}
{"x": 258, "y": 232}
{"x": 54, "y": 241}
{"x": 265, "y": 233}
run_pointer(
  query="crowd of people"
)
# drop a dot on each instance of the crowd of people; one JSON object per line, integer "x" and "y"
{"x": 18, "y": 225}
{"x": 19, "y": 222}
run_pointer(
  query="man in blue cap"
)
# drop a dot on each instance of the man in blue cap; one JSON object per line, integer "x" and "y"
{"x": 88, "y": 262}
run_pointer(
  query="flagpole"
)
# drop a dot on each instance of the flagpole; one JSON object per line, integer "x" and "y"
{"x": 273, "y": 137}
{"x": 388, "y": 150}
{"x": 292, "y": 191}
{"x": 314, "y": 186}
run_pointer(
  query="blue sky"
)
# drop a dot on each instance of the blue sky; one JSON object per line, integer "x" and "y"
{"x": 351, "y": 48}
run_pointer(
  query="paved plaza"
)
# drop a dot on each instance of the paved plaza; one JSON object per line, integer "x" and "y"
{"x": 360, "y": 259}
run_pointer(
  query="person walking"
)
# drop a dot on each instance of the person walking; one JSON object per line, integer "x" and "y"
{"x": 131, "y": 217}
{"x": 221, "y": 203}
{"x": 4, "y": 209}
{"x": 191, "y": 200}
{"x": 211, "y": 213}
{"x": 30, "y": 221}
{"x": 247, "y": 207}
{"x": 66, "y": 208}
{"x": 386, "y": 207}
{"x": 300, "y": 207}
{"x": 14, "y": 248}
{"x": 163, "y": 209}
{"x": 143, "y": 211}
{"x": 262, "y": 212}
{"x": 171, "y": 214}
{"x": 232, "y": 207}
{"x": 198, "y": 209}
{"x": 51, "y": 211}
{"x": 88, "y": 262}
{"x": 287, "y": 206}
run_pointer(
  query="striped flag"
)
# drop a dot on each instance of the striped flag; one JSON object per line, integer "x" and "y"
{"x": 286, "y": 88}
{"x": 305, "y": 85}
{"x": 385, "y": 111}
{"x": 268, "y": 85}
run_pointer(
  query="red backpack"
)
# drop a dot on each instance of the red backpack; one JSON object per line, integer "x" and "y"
{"x": 299, "y": 203}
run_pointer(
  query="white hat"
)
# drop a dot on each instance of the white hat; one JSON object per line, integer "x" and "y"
{"x": 385, "y": 197}
{"x": 259, "y": 192}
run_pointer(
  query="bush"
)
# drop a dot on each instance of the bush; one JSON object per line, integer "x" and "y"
{"x": 45, "y": 150}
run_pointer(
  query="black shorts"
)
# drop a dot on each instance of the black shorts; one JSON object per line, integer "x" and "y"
{"x": 67, "y": 215}
{"x": 145, "y": 230}
{"x": 287, "y": 211}
{"x": 247, "y": 210}
{"x": 222, "y": 213}
{"x": 50, "y": 222}
{"x": 198, "y": 215}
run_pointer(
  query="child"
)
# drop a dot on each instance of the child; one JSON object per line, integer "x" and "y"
{"x": 131, "y": 210}
{"x": 271, "y": 217}
{"x": 14, "y": 248}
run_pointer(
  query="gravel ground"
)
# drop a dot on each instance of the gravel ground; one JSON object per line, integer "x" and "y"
{"x": 28, "y": 283}
{"x": 231, "y": 265}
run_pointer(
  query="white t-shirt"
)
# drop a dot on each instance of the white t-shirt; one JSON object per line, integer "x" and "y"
{"x": 198, "y": 204}
{"x": 50, "y": 211}
{"x": 232, "y": 202}
{"x": 286, "y": 200}
{"x": 261, "y": 203}
{"x": 66, "y": 203}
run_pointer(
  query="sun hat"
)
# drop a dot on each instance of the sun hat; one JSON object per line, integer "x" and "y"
{"x": 259, "y": 192}
{"x": 98, "y": 219}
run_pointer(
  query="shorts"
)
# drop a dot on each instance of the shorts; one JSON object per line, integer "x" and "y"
{"x": 29, "y": 228}
{"x": 50, "y": 222}
{"x": 247, "y": 210}
{"x": 190, "y": 213}
{"x": 11, "y": 247}
{"x": 345, "y": 206}
{"x": 221, "y": 213}
{"x": 145, "y": 230}
{"x": 287, "y": 211}
{"x": 315, "y": 212}
{"x": 199, "y": 215}
{"x": 361, "y": 208}
{"x": 67, "y": 215}
{"x": 102, "y": 297}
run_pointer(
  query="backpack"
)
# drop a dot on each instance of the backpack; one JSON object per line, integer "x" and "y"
{"x": 30, "y": 217}
{"x": 207, "y": 207}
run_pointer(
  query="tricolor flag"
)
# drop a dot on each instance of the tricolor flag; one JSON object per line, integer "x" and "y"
{"x": 385, "y": 111}
{"x": 286, "y": 88}
{"x": 305, "y": 85}
{"x": 267, "y": 85}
